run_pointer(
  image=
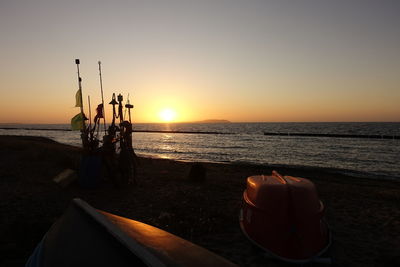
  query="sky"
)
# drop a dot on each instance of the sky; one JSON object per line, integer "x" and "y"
{"x": 243, "y": 61}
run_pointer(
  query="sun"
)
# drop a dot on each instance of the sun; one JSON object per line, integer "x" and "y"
{"x": 167, "y": 115}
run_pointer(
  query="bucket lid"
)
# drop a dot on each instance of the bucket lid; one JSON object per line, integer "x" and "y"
{"x": 266, "y": 192}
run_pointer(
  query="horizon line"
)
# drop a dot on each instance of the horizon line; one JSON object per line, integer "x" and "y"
{"x": 205, "y": 122}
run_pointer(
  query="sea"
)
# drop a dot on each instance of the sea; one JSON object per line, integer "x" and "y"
{"x": 245, "y": 143}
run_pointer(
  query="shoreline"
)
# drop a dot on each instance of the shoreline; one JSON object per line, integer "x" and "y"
{"x": 327, "y": 170}
{"x": 334, "y": 170}
{"x": 366, "y": 158}
{"x": 362, "y": 213}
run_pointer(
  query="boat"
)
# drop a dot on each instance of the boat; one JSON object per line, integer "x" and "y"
{"x": 85, "y": 236}
{"x": 283, "y": 216}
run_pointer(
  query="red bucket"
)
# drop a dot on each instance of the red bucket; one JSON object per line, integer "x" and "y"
{"x": 283, "y": 216}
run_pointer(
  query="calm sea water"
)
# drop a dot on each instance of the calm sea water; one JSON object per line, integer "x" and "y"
{"x": 246, "y": 143}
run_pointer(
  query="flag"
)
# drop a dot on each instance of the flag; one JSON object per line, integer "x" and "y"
{"x": 77, "y": 122}
{"x": 99, "y": 111}
{"x": 78, "y": 98}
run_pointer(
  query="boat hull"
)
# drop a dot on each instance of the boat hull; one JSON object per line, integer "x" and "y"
{"x": 84, "y": 236}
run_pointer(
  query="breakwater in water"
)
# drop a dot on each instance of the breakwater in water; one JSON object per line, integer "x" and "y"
{"x": 368, "y": 136}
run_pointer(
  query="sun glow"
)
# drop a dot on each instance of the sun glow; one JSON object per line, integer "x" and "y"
{"x": 167, "y": 115}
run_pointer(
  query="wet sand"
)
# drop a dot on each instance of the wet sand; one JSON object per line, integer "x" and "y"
{"x": 363, "y": 214}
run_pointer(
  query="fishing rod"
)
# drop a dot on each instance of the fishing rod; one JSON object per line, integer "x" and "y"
{"x": 102, "y": 98}
{"x": 91, "y": 131}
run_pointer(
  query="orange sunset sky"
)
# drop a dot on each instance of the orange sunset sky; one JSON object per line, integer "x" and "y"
{"x": 214, "y": 59}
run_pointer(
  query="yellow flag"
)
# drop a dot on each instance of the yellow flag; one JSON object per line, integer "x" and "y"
{"x": 78, "y": 99}
{"x": 77, "y": 122}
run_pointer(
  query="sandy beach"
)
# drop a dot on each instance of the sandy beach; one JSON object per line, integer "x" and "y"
{"x": 363, "y": 214}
